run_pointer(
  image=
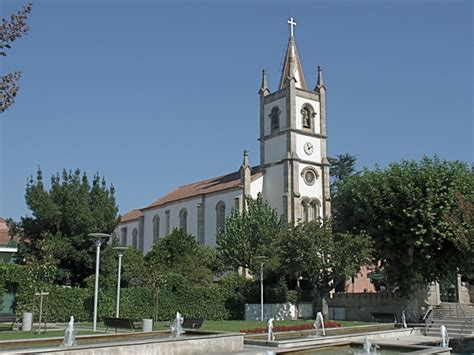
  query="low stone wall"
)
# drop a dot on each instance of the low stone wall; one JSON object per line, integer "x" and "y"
{"x": 279, "y": 311}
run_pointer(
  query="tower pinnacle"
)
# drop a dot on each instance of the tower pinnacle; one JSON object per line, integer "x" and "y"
{"x": 320, "y": 81}
{"x": 264, "y": 86}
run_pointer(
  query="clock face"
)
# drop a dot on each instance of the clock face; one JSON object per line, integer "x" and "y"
{"x": 308, "y": 148}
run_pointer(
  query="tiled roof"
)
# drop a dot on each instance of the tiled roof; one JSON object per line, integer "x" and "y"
{"x": 216, "y": 184}
{"x": 130, "y": 216}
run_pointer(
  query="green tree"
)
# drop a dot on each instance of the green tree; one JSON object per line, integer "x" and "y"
{"x": 414, "y": 212}
{"x": 342, "y": 167}
{"x": 180, "y": 253}
{"x": 248, "y": 234}
{"x": 10, "y": 30}
{"x": 312, "y": 251}
{"x": 65, "y": 215}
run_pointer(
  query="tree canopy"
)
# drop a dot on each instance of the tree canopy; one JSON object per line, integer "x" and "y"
{"x": 65, "y": 215}
{"x": 180, "y": 253}
{"x": 249, "y": 234}
{"x": 10, "y": 30}
{"x": 416, "y": 213}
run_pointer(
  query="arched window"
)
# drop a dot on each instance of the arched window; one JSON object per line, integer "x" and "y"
{"x": 123, "y": 236}
{"x": 183, "y": 219}
{"x": 310, "y": 210}
{"x": 305, "y": 210}
{"x": 141, "y": 242}
{"x": 274, "y": 119}
{"x": 156, "y": 228}
{"x": 315, "y": 210}
{"x": 220, "y": 216}
{"x": 307, "y": 115}
{"x": 135, "y": 238}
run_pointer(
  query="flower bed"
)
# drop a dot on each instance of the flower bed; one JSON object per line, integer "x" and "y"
{"x": 286, "y": 328}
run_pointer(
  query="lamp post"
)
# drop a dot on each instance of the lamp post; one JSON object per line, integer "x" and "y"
{"x": 120, "y": 251}
{"x": 98, "y": 239}
{"x": 262, "y": 261}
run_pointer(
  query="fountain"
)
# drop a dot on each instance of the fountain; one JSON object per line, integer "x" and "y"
{"x": 176, "y": 326}
{"x": 444, "y": 337}
{"x": 271, "y": 337}
{"x": 319, "y": 323}
{"x": 368, "y": 347}
{"x": 404, "y": 319}
{"x": 70, "y": 334}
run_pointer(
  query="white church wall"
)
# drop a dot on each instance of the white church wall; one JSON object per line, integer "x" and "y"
{"x": 273, "y": 187}
{"x": 210, "y": 213}
{"x": 256, "y": 187}
{"x": 314, "y": 190}
{"x": 281, "y": 103}
{"x": 300, "y": 101}
{"x": 130, "y": 225}
{"x": 275, "y": 148}
{"x": 300, "y": 142}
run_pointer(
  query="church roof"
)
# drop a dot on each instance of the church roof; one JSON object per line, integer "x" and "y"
{"x": 203, "y": 187}
{"x": 130, "y": 216}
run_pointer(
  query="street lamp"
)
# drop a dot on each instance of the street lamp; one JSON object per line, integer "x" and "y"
{"x": 120, "y": 251}
{"x": 262, "y": 261}
{"x": 98, "y": 239}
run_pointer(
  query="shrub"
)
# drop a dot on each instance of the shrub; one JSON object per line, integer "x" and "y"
{"x": 287, "y": 328}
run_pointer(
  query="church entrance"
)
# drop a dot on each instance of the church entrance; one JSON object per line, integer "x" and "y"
{"x": 449, "y": 291}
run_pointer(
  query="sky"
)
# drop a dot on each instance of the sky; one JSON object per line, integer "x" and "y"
{"x": 154, "y": 95}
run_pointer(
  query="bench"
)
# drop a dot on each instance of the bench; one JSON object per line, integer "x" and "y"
{"x": 384, "y": 317}
{"x": 192, "y": 323}
{"x": 8, "y": 317}
{"x": 122, "y": 323}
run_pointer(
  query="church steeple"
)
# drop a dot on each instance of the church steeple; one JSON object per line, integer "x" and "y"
{"x": 292, "y": 69}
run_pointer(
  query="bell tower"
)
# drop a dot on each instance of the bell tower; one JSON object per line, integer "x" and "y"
{"x": 293, "y": 142}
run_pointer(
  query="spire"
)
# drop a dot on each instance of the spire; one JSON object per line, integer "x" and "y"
{"x": 320, "y": 82}
{"x": 264, "y": 87}
{"x": 292, "y": 68}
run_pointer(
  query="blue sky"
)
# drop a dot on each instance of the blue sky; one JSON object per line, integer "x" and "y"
{"x": 157, "y": 94}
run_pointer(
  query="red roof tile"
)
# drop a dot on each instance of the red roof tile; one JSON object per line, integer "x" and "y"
{"x": 216, "y": 184}
{"x": 130, "y": 216}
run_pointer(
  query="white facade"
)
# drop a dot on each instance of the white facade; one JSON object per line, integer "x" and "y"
{"x": 293, "y": 175}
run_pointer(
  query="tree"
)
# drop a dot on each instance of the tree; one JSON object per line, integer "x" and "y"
{"x": 413, "y": 211}
{"x": 180, "y": 253}
{"x": 65, "y": 215}
{"x": 342, "y": 167}
{"x": 10, "y": 30}
{"x": 248, "y": 235}
{"x": 312, "y": 251}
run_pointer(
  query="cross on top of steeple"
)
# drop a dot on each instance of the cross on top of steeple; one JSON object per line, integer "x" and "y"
{"x": 292, "y": 23}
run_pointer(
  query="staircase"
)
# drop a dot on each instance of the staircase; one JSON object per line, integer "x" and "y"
{"x": 456, "y": 317}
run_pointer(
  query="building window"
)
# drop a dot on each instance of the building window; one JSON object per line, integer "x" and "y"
{"x": 307, "y": 115}
{"x": 274, "y": 119}
{"x": 123, "y": 236}
{"x": 183, "y": 219}
{"x": 167, "y": 214}
{"x": 135, "y": 238}
{"x": 156, "y": 228}
{"x": 310, "y": 175}
{"x": 141, "y": 241}
{"x": 220, "y": 216}
{"x": 310, "y": 210}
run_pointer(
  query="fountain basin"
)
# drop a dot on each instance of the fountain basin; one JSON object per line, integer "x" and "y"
{"x": 337, "y": 335}
{"x": 142, "y": 343}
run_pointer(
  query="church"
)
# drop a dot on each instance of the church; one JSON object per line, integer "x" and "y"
{"x": 293, "y": 174}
